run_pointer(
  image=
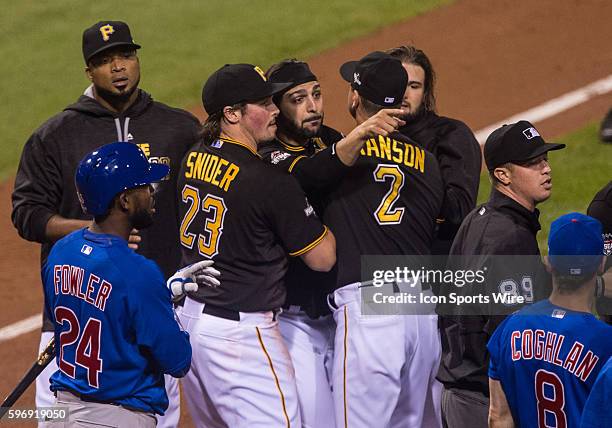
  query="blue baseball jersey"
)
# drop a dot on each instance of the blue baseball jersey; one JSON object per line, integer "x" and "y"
{"x": 547, "y": 359}
{"x": 597, "y": 411}
{"x": 115, "y": 331}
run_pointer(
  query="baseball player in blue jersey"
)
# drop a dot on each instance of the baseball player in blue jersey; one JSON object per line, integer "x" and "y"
{"x": 546, "y": 357}
{"x": 115, "y": 331}
{"x": 597, "y": 412}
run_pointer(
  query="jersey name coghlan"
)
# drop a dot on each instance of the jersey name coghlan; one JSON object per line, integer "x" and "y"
{"x": 68, "y": 280}
{"x": 546, "y": 346}
{"x": 211, "y": 169}
{"x": 396, "y": 151}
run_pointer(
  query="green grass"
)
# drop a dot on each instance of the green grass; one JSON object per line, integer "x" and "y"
{"x": 579, "y": 171}
{"x": 183, "y": 42}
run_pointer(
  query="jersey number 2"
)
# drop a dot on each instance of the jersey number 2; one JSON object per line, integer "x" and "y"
{"x": 208, "y": 243}
{"x": 552, "y": 404}
{"x": 87, "y": 353}
{"x": 386, "y": 213}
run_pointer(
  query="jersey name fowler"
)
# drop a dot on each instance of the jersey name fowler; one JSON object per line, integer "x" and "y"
{"x": 211, "y": 169}
{"x": 68, "y": 280}
{"x": 546, "y": 346}
{"x": 396, "y": 151}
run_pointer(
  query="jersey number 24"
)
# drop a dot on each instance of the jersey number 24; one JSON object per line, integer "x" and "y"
{"x": 87, "y": 352}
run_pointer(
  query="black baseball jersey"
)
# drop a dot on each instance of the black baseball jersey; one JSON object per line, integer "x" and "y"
{"x": 316, "y": 167}
{"x": 246, "y": 216}
{"x": 500, "y": 227}
{"x": 44, "y": 185}
{"x": 601, "y": 209}
{"x": 458, "y": 153}
{"x": 386, "y": 204}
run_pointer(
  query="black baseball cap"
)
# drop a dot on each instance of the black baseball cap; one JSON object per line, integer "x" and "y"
{"x": 293, "y": 71}
{"x": 378, "y": 77}
{"x": 105, "y": 35}
{"x": 515, "y": 143}
{"x": 236, "y": 83}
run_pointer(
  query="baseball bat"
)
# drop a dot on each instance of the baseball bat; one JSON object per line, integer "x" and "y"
{"x": 39, "y": 365}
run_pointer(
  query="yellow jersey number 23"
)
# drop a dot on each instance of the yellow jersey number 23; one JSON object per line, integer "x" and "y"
{"x": 214, "y": 206}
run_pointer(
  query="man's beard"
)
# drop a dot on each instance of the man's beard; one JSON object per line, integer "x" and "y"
{"x": 414, "y": 116}
{"x": 289, "y": 128}
{"x": 115, "y": 99}
{"x": 141, "y": 219}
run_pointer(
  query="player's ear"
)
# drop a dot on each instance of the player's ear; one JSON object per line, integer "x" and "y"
{"x": 123, "y": 200}
{"x": 602, "y": 265}
{"x": 503, "y": 174}
{"x": 88, "y": 73}
{"x": 232, "y": 115}
{"x": 547, "y": 264}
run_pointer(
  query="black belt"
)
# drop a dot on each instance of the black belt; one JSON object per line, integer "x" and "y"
{"x": 218, "y": 311}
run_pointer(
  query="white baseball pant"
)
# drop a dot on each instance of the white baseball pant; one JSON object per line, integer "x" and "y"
{"x": 241, "y": 372}
{"x": 384, "y": 367}
{"x": 311, "y": 345}
{"x": 44, "y": 396}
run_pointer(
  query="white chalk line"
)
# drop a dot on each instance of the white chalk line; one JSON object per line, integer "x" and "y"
{"x": 553, "y": 107}
{"x": 536, "y": 114}
{"x": 20, "y": 327}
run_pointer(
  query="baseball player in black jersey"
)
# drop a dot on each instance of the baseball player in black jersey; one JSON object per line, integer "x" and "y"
{"x": 246, "y": 216}
{"x": 305, "y": 148}
{"x": 386, "y": 204}
{"x": 601, "y": 208}
{"x": 113, "y": 108}
{"x": 506, "y": 225}
{"x": 318, "y": 157}
{"x": 450, "y": 140}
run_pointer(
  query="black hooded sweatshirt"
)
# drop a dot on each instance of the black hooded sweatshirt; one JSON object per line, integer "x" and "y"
{"x": 44, "y": 185}
{"x": 458, "y": 153}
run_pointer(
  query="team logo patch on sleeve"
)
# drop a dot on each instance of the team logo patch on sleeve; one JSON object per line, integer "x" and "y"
{"x": 607, "y": 244}
{"x": 309, "y": 210}
{"x": 278, "y": 156}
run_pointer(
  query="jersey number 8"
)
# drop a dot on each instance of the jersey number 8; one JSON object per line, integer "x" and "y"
{"x": 208, "y": 243}
{"x": 552, "y": 403}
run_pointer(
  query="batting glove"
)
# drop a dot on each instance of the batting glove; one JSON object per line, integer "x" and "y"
{"x": 190, "y": 277}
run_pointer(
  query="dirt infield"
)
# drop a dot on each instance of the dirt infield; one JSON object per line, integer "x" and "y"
{"x": 493, "y": 60}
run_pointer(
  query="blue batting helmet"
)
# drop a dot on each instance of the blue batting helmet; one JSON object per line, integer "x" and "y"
{"x": 111, "y": 169}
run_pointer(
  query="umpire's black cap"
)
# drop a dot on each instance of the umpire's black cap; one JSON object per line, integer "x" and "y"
{"x": 378, "y": 77}
{"x": 515, "y": 143}
{"x": 104, "y": 35}
{"x": 236, "y": 83}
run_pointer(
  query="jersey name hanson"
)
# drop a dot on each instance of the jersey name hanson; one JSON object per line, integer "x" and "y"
{"x": 396, "y": 151}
